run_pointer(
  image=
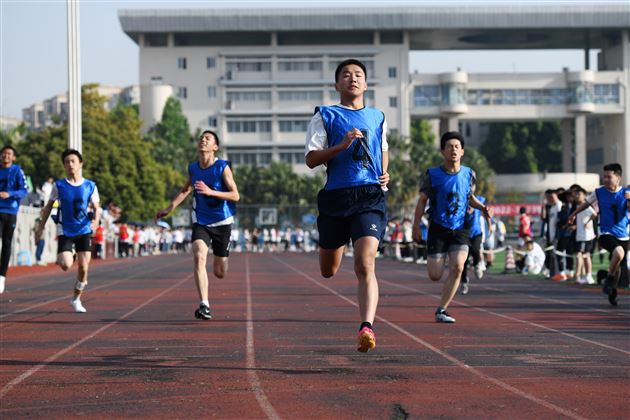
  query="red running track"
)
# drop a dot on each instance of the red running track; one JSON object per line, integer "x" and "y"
{"x": 282, "y": 345}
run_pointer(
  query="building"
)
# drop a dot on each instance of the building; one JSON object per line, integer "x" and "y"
{"x": 54, "y": 110}
{"x": 9, "y": 123}
{"x": 255, "y": 75}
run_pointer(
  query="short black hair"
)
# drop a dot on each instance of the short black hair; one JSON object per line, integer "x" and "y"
{"x": 8, "y": 147}
{"x": 449, "y": 135}
{"x": 522, "y": 210}
{"x": 347, "y": 62}
{"x": 614, "y": 167}
{"x": 69, "y": 152}
{"x": 215, "y": 135}
{"x": 550, "y": 191}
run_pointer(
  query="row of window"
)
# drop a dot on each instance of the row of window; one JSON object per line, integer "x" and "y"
{"x": 264, "y": 158}
{"x": 436, "y": 95}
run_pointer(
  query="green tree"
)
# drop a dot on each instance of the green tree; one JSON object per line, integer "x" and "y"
{"x": 171, "y": 139}
{"x": 525, "y": 147}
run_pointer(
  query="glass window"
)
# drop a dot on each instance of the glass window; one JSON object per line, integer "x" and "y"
{"x": 264, "y": 158}
{"x": 212, "y": 92}
{"x": 393, "y": 101}
{"x": 211, "y": 62}
{"x": 212, "y": 121}
{"x": 181, "y": 63}
{"x": 299, "y": 65}
{"x": 426, "y": 95}
{"x": 392, "y": 72}
{"x": 182, "y": 92}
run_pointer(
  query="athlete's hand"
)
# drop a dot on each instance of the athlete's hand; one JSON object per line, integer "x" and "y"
{"x": 202, "y": 188}
{"x": 571, "y": 219}
{"x": 161, "y": 213}
{"x": 384, "y": 179}
{"x": 349, "y": 138}
{"x": 416, "y": 233}
{"x": 488, "y": 212}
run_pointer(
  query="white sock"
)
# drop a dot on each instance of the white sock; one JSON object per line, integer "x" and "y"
{"x": 2, "y": 279}
{"x": 205, "y": 302}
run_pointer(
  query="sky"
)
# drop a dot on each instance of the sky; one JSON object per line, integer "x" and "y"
{"x": 33, "y": 58}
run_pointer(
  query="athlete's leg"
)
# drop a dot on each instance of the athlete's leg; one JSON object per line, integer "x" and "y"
{"x": 7, "y": 227}
{"x": 456, "y": 266}
{"x": 220, "y": 266}
{"x": 365, "y": 249}
{"x": 616, "y": 256}
{"x": 65, "y": 260}
{"x": 83, "y": 259}
{"x": 200, "y": 256}
{"x": 435, "y": 266}
{"x": 330, "y": 260}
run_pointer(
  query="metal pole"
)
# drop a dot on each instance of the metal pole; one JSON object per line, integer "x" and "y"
{"x": 74, "y": 77}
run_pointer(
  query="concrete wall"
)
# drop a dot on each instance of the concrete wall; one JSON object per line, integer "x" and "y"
{"x": 23, "y": 239}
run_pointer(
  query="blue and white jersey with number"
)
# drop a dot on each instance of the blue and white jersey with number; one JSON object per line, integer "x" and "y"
{"x": 448, "y": 195}
{"x": 74, "y": 200}
{"x": 209, "y": 210}
{"x": 13, "y": 182}
{"x": 613, "y": 212}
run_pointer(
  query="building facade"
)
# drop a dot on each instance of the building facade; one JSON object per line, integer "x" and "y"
{"x": 256, "y": 75}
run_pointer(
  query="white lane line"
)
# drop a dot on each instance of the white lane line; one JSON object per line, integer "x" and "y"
{"x": 448, "y": 357}
{"x": 76, "y": 344}
{"x": 251, "y": 352}
{"x": 37, "y": 305}
{"x": 511, "y": 318}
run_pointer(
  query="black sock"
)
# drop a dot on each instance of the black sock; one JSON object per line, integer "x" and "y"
{"x": 365, "y": 324}
{"x": 439, "y": 310}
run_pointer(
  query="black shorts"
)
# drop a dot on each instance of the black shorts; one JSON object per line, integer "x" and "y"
{"x": 217, "y": 237}
{"x": 337, "y": 231}
{"x": 585, "y": 247}
{"x": 609, "y": 243}
{"x": 82, "y": 243}
{"x": 350, "y": 213}
{"x": 442, "y": 240}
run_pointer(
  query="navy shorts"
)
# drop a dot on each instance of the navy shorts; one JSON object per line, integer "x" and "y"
{"x": 350, "y": 213}
{"x": 217, "y": 237}
{"x": 82, "y": 243}
{"x": 442, "y": 240}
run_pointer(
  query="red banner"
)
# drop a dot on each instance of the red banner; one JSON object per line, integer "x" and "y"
{"x": 514, "y": 209}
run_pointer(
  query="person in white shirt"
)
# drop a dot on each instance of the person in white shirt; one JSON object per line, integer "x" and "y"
{"x": 585, "y": 239}
{"x": 534, "y": 261}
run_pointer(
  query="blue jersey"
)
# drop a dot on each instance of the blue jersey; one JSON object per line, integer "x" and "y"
{"x": 12, "y": 181}
{"x": 613, "y": 212}
{"x": 210, "y": 210}
{"x": 73, "y": 205}
{"x": 362, "y": 163}
{"x": 448, "y": 195}
{"x": 473, "y": 220}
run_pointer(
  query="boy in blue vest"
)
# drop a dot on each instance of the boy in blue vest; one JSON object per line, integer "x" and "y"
{"x": 613, "y": 201}
{"x": 211, "y": 182}
{"x": 12, "y": 191}
{"x": 473, "y": 220}
{"x": 449, "y": 191}
{"x": 350, "y": 139}
{"x": 75, "y": 227}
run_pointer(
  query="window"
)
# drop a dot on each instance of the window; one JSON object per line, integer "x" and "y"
{"x": 249, "y": 126}
{"x": 211, "y": 62}
{"x": 293, "y": 126}
{"x": 255, "y": 66}
{"x": 299, "y": 65}
{"x": 212, "y": 121}
{"x": 300, "y": 95}
{"x": 182, "y": 92}
{"x": 392, "y": 72}
{"x": 249, "y": 96}
{"x": 426, "y": 95}
{"x": 393, "y": 101}
{"x": 181, "y": 63}
{"x": 212, "y": 91}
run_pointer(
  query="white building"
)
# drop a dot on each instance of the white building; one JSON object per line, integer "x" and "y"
{"x": 256, "y": 75}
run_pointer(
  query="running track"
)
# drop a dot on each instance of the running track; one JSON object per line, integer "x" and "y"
{"x": 282, "y": 345}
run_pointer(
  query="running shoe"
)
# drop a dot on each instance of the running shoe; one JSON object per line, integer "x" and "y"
{"x": 203, "y": 312}
{"x": 78, "y": 306}
{"x": 366, "y": 340}
{"x": 443, "y": 316}
{"x": 479, "y": 270}
{"x": 612, "y": 296}
{"x": 463, "y": 288}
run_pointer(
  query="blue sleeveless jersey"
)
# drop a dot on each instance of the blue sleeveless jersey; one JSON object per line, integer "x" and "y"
{"x": 613, "y": 212}
{"x": 449, "y": 196}
{"x": 361, "y": 163}
{"x": 473, "y": 220}
{"x": 209, "y": 210}
{"x": 13, "y": 181}
{"x": 73, "y": 204}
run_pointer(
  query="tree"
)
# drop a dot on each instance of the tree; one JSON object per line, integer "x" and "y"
{"x": 526, "y": 147}
{"x": 171, "y": 139}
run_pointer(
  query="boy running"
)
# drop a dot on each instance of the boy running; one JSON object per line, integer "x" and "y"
{"x": 75, "y": 228}
{"x": 12, "y": 191}
{"x": 475, "y": 225}
{"x": 614, "y": 202}
{"x": 214, "y": 191}
{"x": 448, "y": 189}
{"x": 350, "y": 139}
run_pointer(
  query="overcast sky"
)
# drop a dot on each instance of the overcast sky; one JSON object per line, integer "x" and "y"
{"x": 33, "y": 63}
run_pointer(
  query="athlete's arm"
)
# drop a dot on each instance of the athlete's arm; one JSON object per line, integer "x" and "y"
{"x": 579, "y": 209}
{"x": 314, "y": 158}
{"x": 43, "y": 218}
{"x": 384, "y": 179}
{"x": 228, "y": 179}
{"x": 487, "y": 211}
{"x": 183, "y": 193}
{"x": 417, "y": 218}
{"x": 97, "y": 215}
